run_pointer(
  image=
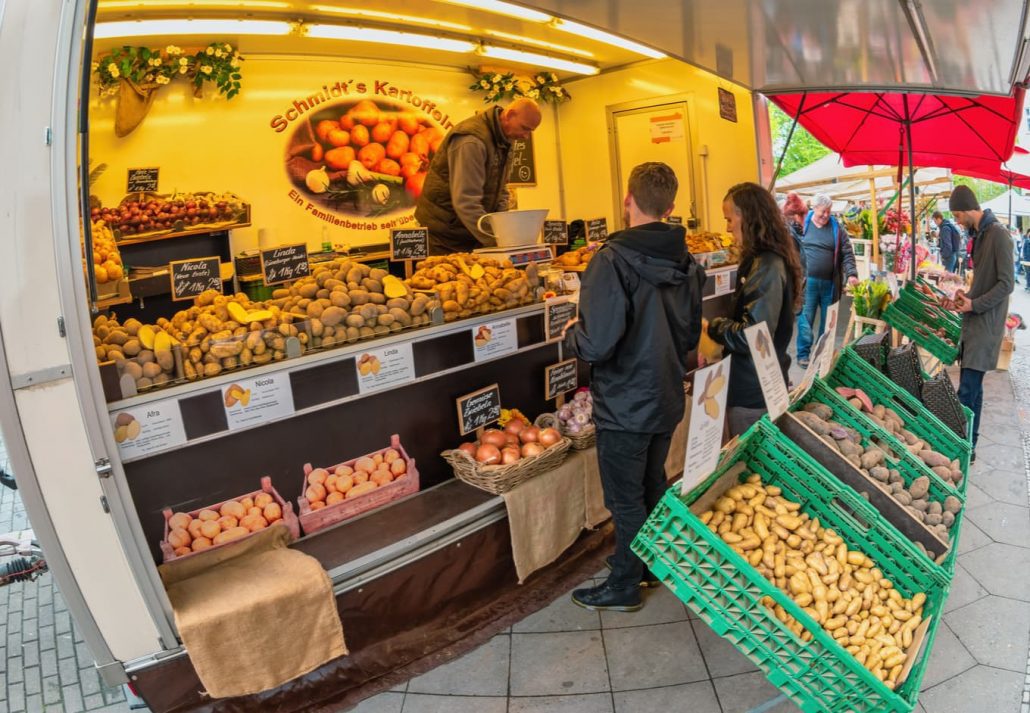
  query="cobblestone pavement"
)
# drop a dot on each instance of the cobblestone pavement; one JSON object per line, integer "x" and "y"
{"x": 44, "y": 664}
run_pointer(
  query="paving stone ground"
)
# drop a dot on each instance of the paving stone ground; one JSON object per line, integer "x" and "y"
{"x": 564, "y": 659}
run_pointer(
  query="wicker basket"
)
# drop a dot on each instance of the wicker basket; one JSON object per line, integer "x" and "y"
{"x": 580, "y": 441}
{"x": 499, "y": 479}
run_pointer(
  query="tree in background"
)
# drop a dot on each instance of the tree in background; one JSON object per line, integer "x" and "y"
{"x": 804, "y": 148}
{"x": 983, "y": 190}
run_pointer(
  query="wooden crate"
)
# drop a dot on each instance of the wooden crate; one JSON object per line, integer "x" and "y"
{"x": 289, "y": 520}
{"x": 407, "y": 484}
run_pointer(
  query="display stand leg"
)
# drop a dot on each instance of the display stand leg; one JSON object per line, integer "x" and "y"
{"x": 407, "y": 269}
{"x": 559, "y": 402}
{"x": 769, "y": 705}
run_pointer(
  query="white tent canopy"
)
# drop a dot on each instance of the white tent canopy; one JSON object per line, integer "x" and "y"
{"x": 829, "y": 175}
{"x": 1000, "y": 205}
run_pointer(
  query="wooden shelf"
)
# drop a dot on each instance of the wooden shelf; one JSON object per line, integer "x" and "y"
{"x": 199, "y": 230}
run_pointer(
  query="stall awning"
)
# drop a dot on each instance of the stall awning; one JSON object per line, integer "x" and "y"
{"x": 1015, "y": 172}
{"x": 1000, "y": 206}
{"x": 829, "y": 175}
{"x": 975, "y": 133}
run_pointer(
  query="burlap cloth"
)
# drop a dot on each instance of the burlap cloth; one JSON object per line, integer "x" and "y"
{"x": 255, "y": 614}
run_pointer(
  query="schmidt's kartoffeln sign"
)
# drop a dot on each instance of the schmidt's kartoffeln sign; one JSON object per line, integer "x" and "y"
{"x": 358, "y": 152}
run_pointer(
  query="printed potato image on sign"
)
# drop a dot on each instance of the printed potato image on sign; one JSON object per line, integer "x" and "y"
{"x": 126, "y": 427}
{"x": 764, "y": 347}
{"x": 236, "y": 394}
{"x": 362, "y": 158}
{"x": 368, "y": 364}
{"x": 707, "y": 399}
{"x": 483, "y": 336}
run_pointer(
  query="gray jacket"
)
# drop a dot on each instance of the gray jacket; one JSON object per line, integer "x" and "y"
{"x": 993, "y": 280}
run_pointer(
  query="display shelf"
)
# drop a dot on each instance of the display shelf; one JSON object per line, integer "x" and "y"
{"x": 140, "y": 239}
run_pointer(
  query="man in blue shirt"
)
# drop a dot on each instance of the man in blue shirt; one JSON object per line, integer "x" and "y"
{"x": 950, "y": 241}
{"x": 828, "y": 261}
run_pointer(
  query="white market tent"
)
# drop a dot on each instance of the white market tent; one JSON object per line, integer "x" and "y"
{"x": 1000, "y": 205}
{"x": 830, "y": 176}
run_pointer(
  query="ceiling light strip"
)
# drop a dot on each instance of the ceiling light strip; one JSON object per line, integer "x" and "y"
{"x": 367, "y": 34}
{"x": 382, "y": 15}
{"x": 539, "y": 43}
{"x": 607, "y": 38}
{"x": 537, "y": 60}
{"x": 147, "y": 28}
{"x": 498, "y": 7}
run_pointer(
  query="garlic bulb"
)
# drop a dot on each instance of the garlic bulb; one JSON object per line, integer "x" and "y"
{"x": 358, "y": 175}
{"x": 380, "y": 193}
{"x": 317, "y": 180}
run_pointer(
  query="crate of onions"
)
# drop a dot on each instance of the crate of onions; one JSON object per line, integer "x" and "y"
{"x": 500, "y": 460}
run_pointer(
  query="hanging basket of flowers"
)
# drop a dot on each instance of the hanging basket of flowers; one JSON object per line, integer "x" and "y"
{"x": 134, "y": 74}
{"x": 543, "y": 87}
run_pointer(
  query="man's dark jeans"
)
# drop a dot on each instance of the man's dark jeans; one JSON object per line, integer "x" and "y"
{"x": 633, "y": 477}
{"x": 950, "y": 263}
{"x": 971, "y": 395}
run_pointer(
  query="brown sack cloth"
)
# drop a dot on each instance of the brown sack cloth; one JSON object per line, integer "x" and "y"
{"x": 134, "y": 101}
{"x": 255, "y": 614}
{"x": 545, "y": 514}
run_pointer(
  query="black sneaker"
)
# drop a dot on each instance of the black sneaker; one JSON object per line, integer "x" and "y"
{"x": 647, "y": 581}
{"x": 607, "y": 598}
{"x": 803, "y": 363}
{"x": 972, "y": 457}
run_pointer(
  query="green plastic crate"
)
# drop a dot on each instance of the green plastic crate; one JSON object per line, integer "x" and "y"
{"x": 853, "y": 371}
{"x": 930, "y": 314}
{"x": 919, "y": 333}
{"x": 908, "y": 465}
{"x": 725, "y": 591}
{"x": 946, "y": 318}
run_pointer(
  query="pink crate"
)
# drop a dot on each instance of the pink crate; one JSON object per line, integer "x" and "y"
{"x": 289, "y": 519}
{"x": 315, "y": 520}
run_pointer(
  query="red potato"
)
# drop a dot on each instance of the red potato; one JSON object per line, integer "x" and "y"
{"x": 389, "y": 167}
{"x": 317, "y": 153}
{"x": 359, "y": 136}
{"x": 415, "y": 184}
{"x": 347, "y": 122}
{"x": 339, "y": 137}
{"x": 340, "y": 158}
{"x": 434, "y": 136}
{"x": 420, "y": 145}
{"x": 323, "y": 128}
{"x": 382, "y": 132}
{"x": 410, "y": 170}
{"x": 397, "y": 146}
{"x": 408, "y": 124}
{"x": 366, "y": 112}
{"x": 371, "y": 155}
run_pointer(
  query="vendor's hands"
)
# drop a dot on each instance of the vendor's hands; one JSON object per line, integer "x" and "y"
{"x": 852, "y": 281}
{"x": 568, "y": 326}
{"x": 963, "y": 303}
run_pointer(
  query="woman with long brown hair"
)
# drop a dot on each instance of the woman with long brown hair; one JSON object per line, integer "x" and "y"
{"x": 769, "y": 288}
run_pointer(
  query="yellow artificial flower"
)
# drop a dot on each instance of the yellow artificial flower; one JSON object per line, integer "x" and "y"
{"x": 206, "y": 69}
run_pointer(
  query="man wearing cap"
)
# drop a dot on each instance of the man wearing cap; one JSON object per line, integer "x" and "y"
{"x": 986, "y": 305}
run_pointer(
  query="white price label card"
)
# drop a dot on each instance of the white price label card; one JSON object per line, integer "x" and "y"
{"x": 812, "y": 369}
{"x": 767, "y": 366}
{"x": 826, "y": 360}
{"x": 723, "y": 283}
{"x": 707, "y": 416}
{"x": 495, "y": 339}
{"x": 382, "y": 368}
{"x": 250, "y": 402}
{"x": 140, "y": 430}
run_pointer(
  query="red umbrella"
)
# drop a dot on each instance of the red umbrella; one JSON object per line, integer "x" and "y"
{"x": 1015, "y": 172}
{"x": 929, "y": 130}
{"x": 947, "y": 131}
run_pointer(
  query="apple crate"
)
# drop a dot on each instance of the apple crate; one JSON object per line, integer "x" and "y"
{"x": 289, "y": 520}
{"x": 407, "y": 484}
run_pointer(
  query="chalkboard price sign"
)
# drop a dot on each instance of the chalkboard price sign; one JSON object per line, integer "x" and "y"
{"x": 523, "y": 163}
{"x": 560, "y": 378}
{"x": 556, "y": 232}
{"x": 478, "y": 409}
{"x": 142, "y": 180}
{"x": 191, "y": 277}
{"x": 674, "y": 220}
{"x": 409, "y": 243}
{"x": 557, "y": 313}
{"x": 285, "y": 263}
{"x": 597, "y": 229}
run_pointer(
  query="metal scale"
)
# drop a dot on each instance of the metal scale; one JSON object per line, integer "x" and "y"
{"x": 520, "y": 256}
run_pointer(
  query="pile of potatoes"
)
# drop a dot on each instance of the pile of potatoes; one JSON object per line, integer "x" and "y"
{"x": 346, "y": 482}
{"x": 872, "y": 458}
{"x": 842, "y": 589}
{"x": 344, "y": 301}
{"x": 501, "y": 285}
{"x": 233, "y": 519}
{"x": 107, "y": 260}
{"x": 950, "y": 471}
{"x": 140, "y": 350}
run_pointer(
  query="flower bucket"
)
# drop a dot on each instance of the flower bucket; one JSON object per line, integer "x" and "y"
{"x": 134, "y": 102}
